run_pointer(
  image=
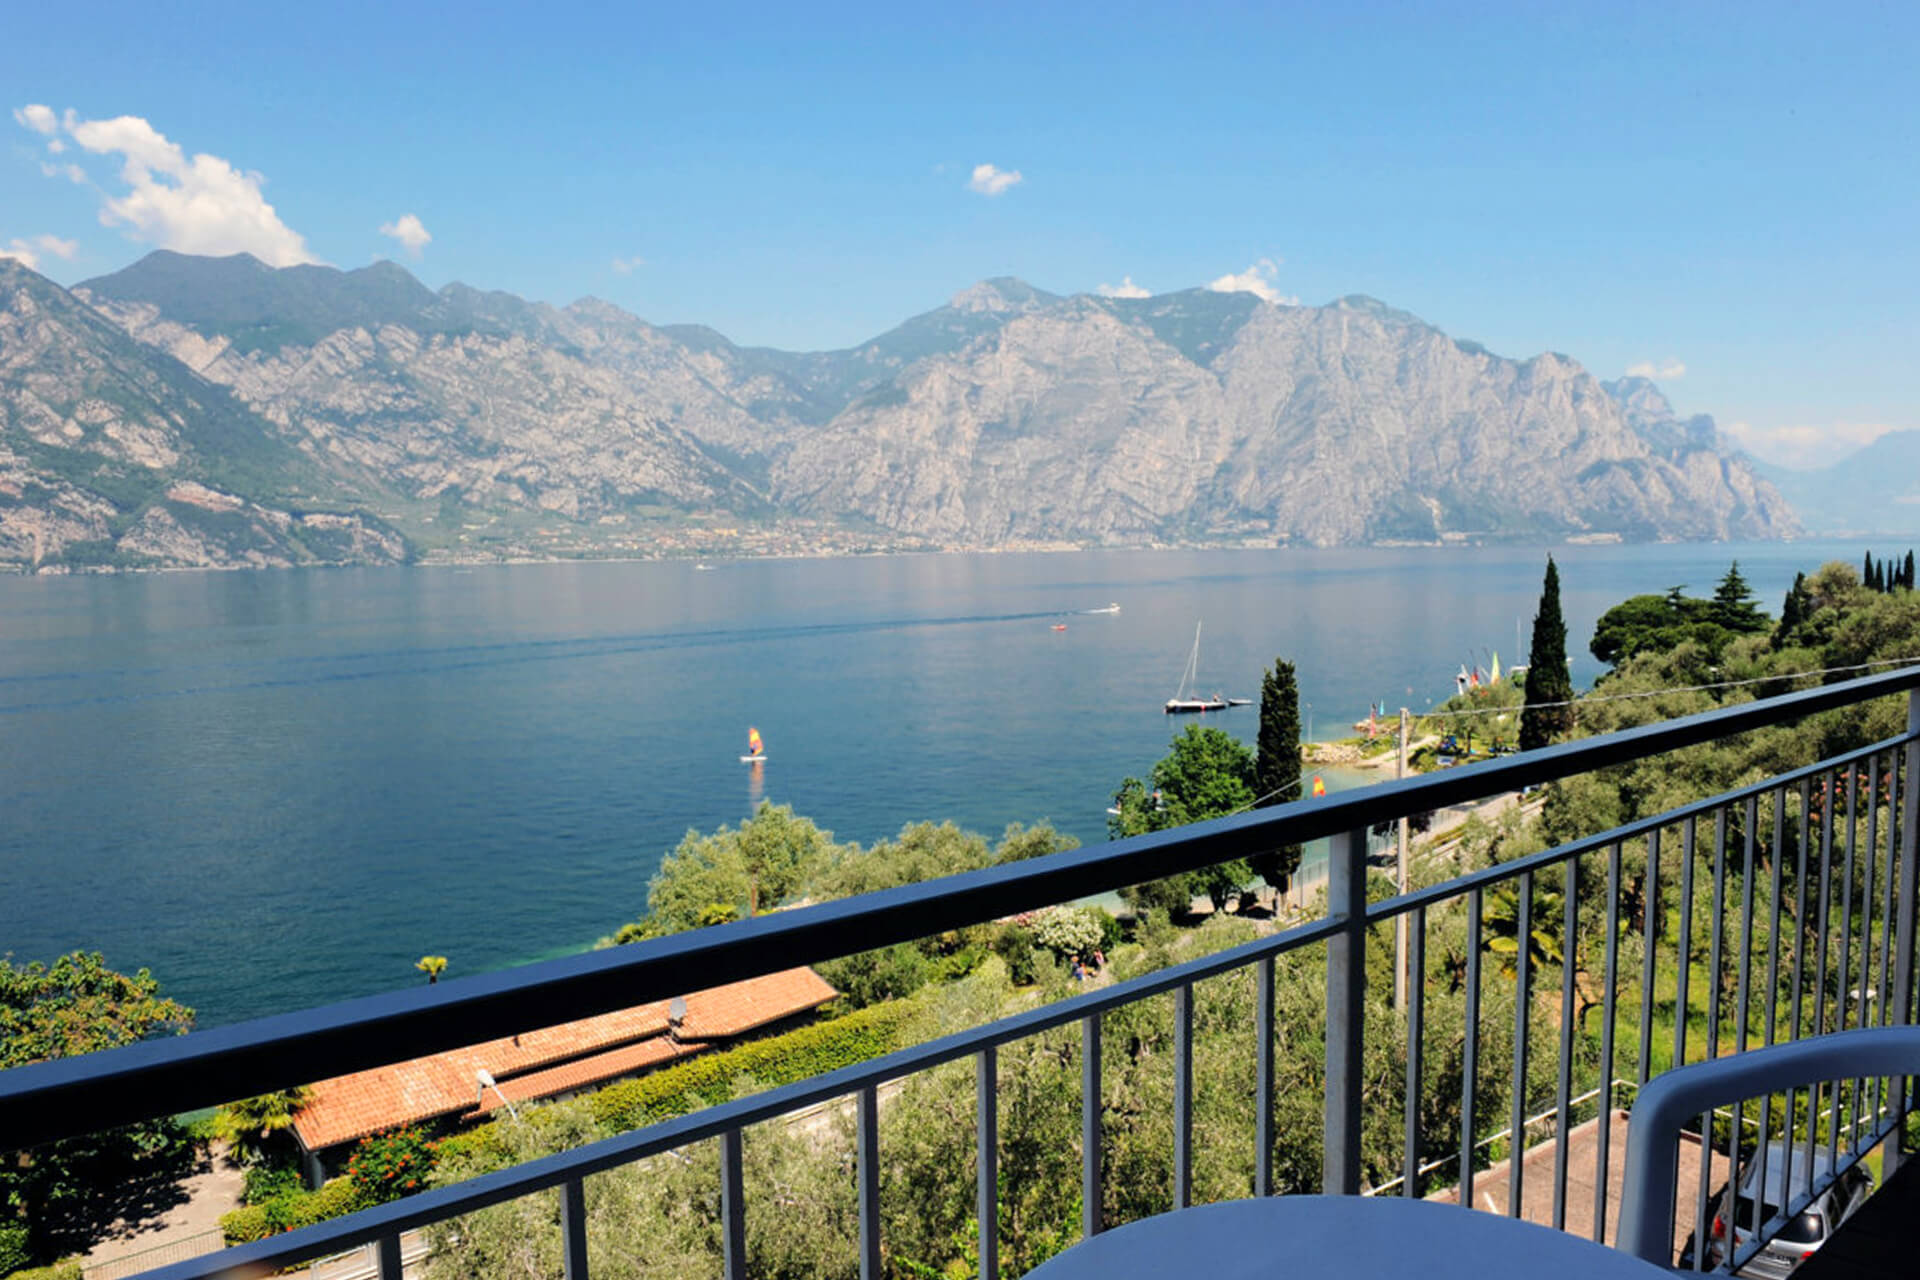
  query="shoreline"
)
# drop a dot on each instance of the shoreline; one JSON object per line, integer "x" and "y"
{"x": 433, "y": 560}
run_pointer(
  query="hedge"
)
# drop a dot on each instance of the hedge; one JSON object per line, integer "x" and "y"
{"x": 776, "y": 1060}
{"x": 65, "y": 1269}
{"x": 296, "y": 1209}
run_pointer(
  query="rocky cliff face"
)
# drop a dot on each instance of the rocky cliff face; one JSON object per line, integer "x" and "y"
{"x": 113, "y": 454}
{"x": 1009, "y": 414}
{"x": 1204, "y": 415}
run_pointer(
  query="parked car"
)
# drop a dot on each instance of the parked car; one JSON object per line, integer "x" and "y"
{"x": 1801, "y": 1235}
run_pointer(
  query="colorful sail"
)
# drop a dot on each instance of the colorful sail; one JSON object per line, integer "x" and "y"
{"x": 1495, "y": 677}
{"x": 1319, "y": 787}
{"x": 754, "y": 745}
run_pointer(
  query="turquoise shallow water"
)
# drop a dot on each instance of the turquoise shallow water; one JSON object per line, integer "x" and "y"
{"x": 279, "y": 789}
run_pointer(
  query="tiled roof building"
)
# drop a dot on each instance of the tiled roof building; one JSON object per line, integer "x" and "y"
{"x": 548, "y": 1062}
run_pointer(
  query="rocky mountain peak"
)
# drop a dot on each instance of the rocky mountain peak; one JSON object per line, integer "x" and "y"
{"x": 1639, "y": 395}
{"x": 1648, "y": 411}
{"x": 1379, "y": 310}
{"x": 1002, "y": 294}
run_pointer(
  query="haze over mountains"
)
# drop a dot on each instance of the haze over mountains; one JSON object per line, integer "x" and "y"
{"x": 1876, "y": 490}
{"x": 217, "y": 411}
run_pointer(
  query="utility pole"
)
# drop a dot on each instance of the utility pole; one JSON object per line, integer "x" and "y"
{"x": 1400, "y": 975}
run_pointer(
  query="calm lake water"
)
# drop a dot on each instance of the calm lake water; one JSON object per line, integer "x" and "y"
{"x": 279, "y": 789}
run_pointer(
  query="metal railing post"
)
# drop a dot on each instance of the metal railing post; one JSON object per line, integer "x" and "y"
{"x": 1090, "y": 1127}
{"x": 987, "y": 1160}
{"x": 733, "y": 1206}
{"x": 867, "y": 1169}
{"x": 573, "y": 1228}
{"x": 386, "y": 1251}
{"x": 1904, "y": 888}
{"x": 1346, "y": 989}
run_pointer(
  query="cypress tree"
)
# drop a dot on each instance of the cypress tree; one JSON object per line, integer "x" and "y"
{"x": 1906, "y": 576}
{"x": 1276, "y": 769}
{"x": 1547, "y": 678}
{"x": 1793, "y": 612}
{"x": 1866, "y": 570}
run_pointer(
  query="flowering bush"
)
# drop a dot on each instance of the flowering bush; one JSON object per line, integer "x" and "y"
{"x": 1068, "y": 932}
{"x": 389, "y": 1165}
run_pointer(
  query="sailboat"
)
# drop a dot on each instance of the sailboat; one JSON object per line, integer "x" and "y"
{"x": 756, "y": 750}
{"x": 1185, "y": 699}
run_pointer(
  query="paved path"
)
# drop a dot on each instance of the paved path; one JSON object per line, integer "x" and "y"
{"x": 186, "y": 1229}
{"x": 1490, "y": 1186}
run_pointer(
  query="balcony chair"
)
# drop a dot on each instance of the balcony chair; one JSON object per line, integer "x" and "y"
{"x": 1676, "y": 1097}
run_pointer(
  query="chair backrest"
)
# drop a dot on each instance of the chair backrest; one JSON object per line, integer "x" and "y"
{"x": 1674, "y": 1097}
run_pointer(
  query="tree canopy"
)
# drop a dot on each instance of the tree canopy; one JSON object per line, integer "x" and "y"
{"x": 77, "y": 1005}
{"x": 1654, "y": 623}
{"x": 736, "y": 872}
{"x": 74, "y": 1006}
{"x": 1208, "y": 773}
{"x": 777, "y": 858}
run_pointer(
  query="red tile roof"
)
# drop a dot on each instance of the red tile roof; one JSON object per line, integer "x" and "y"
{"x": 551, "y": 1060}
{"x": 581, "y": 1072}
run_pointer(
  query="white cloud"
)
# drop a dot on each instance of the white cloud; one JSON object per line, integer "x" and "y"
{"x": 55, "y": 146}
{"x": 1125, "y": 289}
{"x": 27, "y": 252}
{"x": 200, "y": 204}
{"x": 627, "y": 266}
{"x": 409, "y": 231}
{"x": 1665, "y": 369}
{"x": 1806, "y": 447}
{"x": 990, "y": 181}
{"x": 38, "y": 118}
{"x": 1257, "y": 280}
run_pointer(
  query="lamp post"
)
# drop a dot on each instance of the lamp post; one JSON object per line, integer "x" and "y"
{"x": 484, "y": 1078}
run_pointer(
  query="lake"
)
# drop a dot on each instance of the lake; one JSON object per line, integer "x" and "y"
{"x": 277, "y": 789}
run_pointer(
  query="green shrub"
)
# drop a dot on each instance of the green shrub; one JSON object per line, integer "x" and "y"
{"x": 65, "y": 1269}
{"x": 13, "y": 1248}
{"x": 245, "y": 1224}
{"x": 1015, "y": 946}
{"x": 263, "y": 1182}
{"x": 774, "y": 1061}
{"x": 873, "y": 977}
{"x": 483, "y": 1142}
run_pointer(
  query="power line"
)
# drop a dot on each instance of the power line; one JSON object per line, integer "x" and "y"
{"x": 1684, "y": 688}
{"x": 1610, "y": 697}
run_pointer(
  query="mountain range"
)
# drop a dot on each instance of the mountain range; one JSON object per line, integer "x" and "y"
{"x": 1874, "y": 491}
{"x": 216, "y": 411}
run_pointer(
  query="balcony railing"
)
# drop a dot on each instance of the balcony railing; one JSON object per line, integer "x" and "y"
{"x": 1833, "y": 843}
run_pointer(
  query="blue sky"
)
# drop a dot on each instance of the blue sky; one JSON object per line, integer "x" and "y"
{"x": 1725, "y": 188}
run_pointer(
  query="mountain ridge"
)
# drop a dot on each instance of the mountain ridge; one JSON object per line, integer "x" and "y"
{"x": 1009, "y": 415}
